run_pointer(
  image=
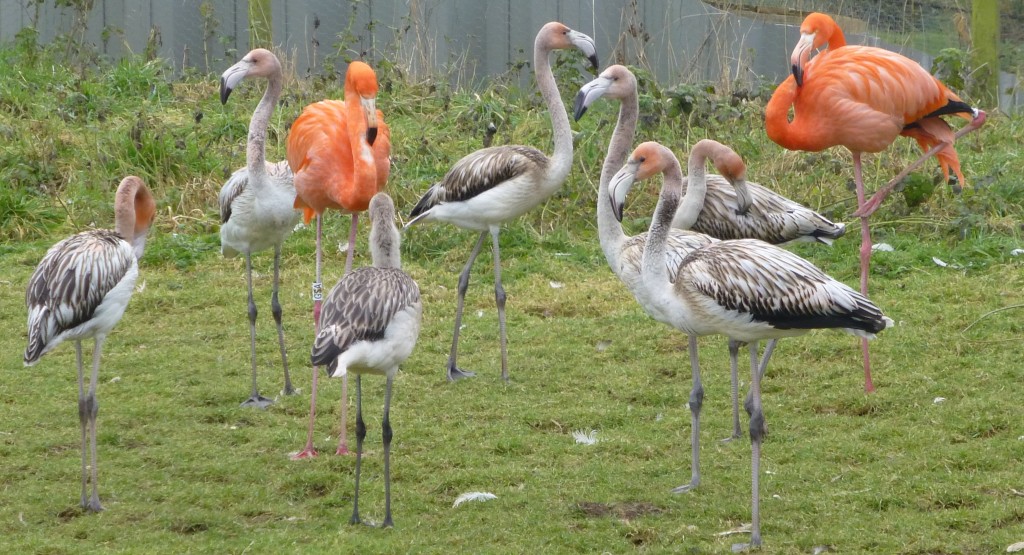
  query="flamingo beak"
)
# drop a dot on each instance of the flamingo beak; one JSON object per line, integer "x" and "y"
{"x": 743, "y": 197}
{"x": 370, "y": 109}
{"x": 801, "y": 52}
{"x": 586, "y": 45}
{"x": 588, "y": 94}
{"x": 620, "y": 185}
{"x": 231, "y": 77}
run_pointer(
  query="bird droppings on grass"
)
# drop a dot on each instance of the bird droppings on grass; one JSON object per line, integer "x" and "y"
{"x": 603, "y": 345}
{"x": 882, "y": 247}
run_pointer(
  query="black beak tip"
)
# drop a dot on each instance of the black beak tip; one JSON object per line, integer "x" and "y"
{"x": 593, "y": 61}
{"x": 371, "y": 135}
{"x": 224, "y": 93}
{"x": 798, "y": 74}
{"x": 578, "y": 109}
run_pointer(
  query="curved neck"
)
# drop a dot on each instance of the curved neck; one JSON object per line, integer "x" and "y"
{"x": 837, "y": 39}
{"x": 783, "y": 132}
{"x": 255, "y": 152}
{"x": 561, "y": 159}
{"x": 134, "y": 208}
{"x": 609, "y": 228}
{"x": 363, "y": 162}
{"x": 654, "y": 269}
{"x": 696, "y": 189}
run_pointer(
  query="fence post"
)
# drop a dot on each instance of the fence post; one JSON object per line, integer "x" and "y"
{"x": 985, "y": 52}
{"x": 260, "y": 28}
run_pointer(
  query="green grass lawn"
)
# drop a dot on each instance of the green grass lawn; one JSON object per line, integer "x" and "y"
{"x": 931, "y": 463}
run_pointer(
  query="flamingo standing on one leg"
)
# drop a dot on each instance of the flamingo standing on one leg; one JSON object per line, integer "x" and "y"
{"x": 256, "y": 202}
{"x": 80, "y": 290}
{"x": 745, "y": 289}
{"x": 340, "y": 153}
{"x": 493, "y": 185}
{"x": 862, "y": 98}
{"x": 371, "y": 320}
{"x": 738, "y": 210}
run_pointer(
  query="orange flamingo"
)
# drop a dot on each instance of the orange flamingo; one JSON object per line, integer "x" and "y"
{"x": 340, "y": 153}
{"x": 862, "y": 98}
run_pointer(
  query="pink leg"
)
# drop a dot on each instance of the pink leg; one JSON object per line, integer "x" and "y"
{"x": 351, "y": 242}
{"x": 318, "y": 292}
{"x": 865, "y": 262}
{"x": 869, "y": 208}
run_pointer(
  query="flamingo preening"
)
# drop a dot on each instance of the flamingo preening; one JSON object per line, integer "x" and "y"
{"x": 737, "y": 210}
{"x": 256, "y": 202}
{"x": 493, "y": 185}
{"x": 79, "y": 291}
{"x": 745, "y": 289}
{"x": 340, "y": 153}
{"x": 862, "y": 98}
{"x": 371, "y": 319}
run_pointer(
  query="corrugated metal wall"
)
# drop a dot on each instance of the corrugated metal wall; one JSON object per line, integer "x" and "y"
{"x": 470, "y": 40}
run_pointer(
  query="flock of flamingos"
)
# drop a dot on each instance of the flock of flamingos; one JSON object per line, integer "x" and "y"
{"x": 709, "y": 263}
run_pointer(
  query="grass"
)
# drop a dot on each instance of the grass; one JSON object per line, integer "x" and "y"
{"x": 183, "y": 469}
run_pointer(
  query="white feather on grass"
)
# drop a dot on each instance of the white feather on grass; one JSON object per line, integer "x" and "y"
{"x": 473, "y": 496}
{"x": 585, "y": 438}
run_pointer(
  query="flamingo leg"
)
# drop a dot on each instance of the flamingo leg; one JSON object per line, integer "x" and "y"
{"x": 387, "y": 435}
{"x": 869, "y": 208}
{"x": 255, "y": 399}
{"x": 454, "y": 373}
{"x": 91, "y": 410}
{"x": 343, "y": 432}
{"x": 360, "y": 435}
{"x": 83, "y": 419}
{"x": 696, "y": 401}
{"x": 318, "y": 296}
{"x": 734, "y": 375}
{"x": 757, "y": 432}
{"x": 865, "y": 263}
{"x": 499, "y": 299}
{"x": 275, "y": 307}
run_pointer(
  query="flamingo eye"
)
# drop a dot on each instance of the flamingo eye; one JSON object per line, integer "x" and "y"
{"x": 642, "y": 159}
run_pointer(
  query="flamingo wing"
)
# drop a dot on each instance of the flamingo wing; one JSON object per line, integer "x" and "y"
{"x": 231, "y": 190}
{"x": 71, "y": 282}
{"x": 479, "y": 172}
{"x": 777, "y": 287}
{"x": 359, "y": 308}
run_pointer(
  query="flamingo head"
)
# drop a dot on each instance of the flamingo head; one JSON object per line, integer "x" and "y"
{"x": 555, "y": 36}
{"x": 259, "y": 63}
{"x": 648, "y": 159}
{"x": 614, "y": 82}
{"x": 816, "y": 31}
{"x": 728, "y": 164}
{"x": 361, "y": 77}
{"x": 135, "y": 210}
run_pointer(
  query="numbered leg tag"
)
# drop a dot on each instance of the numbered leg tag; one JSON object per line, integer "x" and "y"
{"x": 318, "y": 291}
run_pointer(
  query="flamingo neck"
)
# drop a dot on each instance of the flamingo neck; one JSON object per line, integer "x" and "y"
{"x": 363, "y": 162}
{"x": 134, "y": 208}
{"x": 256, "y": 152}
{"x": 608, "y": 226}
{"x": 788, "y": 134}
{"x": 654, "y": 269}
{"x": 385, "y": 243}
{"x": 696, "y": 188}
{"x": 561, "y": 160}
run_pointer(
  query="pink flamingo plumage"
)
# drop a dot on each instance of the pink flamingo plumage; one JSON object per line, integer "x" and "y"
{"x": 863, "y": 98}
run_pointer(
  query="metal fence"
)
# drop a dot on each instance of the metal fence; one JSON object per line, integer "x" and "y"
{"x": 470, "y": 40}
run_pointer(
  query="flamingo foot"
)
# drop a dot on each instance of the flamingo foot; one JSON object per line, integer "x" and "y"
{"x": 744, "y": 547}
{"x": 455, "y": 374}
{"x": 257, "y": 401}
{"x": 288, "y": 390}
{"x": 342, "y": 450}
{"x": 307, "y": 453}
{"x": 734, "y": 436}
{"x": 93, "y": 506}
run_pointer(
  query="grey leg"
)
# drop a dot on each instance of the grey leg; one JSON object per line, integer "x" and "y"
{"x": 360, "y": 435}
{"x": 454, "y": 373}
{"x": 83, "y": 419}
{"x": 92, "y": 409}
{"x": 387, "y": 434}
{"x": 696, "y": 401}
{"x": 499, "y": 299}
{"x": 255, "y": 399}
{"x": 757, "y": 432}
{"x": 734, "y": 351}
{"x": 275, "y": 307}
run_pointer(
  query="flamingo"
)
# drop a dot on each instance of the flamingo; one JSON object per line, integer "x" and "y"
{"x": 371, "y": 320}
{"x": 767, "y": 215}
{"x": 493, "y": 185}
{"x": 256, "y": 202}
{"x": 79, "y": 291}
{"x": 745, "y": 289}
{"x": 862, "y": 98}
{"x": 340, "y": 153}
